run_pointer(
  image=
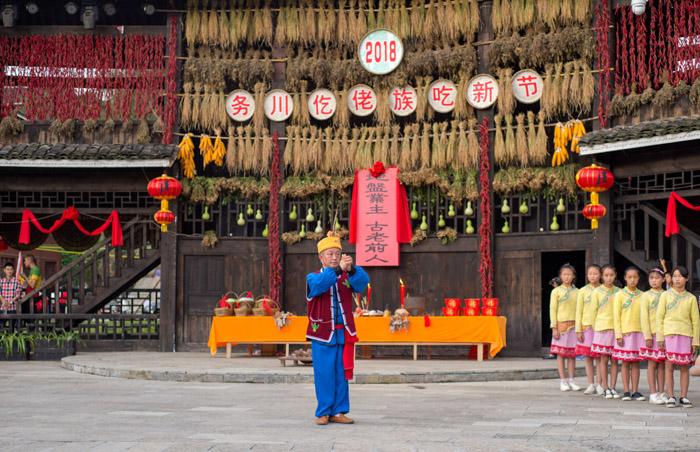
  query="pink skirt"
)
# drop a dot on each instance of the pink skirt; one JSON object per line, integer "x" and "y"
{"x": 603, "y": 343}
{"x": 565, "y": 346}
{"x": 629, "y": 352}
{"x": 584, "y": 348}
{"x": 679, "y": 350}
{"x": 653, "y": 353}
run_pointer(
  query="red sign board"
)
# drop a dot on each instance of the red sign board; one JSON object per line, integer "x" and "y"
{"x": 377, "y": 239}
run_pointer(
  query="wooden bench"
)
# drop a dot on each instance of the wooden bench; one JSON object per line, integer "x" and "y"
{"x": 479, "y": 347}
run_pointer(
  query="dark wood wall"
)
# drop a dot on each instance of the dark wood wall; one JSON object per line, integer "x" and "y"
{"x": 429, "y": 269}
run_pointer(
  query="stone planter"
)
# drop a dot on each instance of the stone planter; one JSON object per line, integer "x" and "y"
{"x": 14, "y": 355}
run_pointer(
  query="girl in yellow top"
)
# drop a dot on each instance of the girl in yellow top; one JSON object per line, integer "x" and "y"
{"x": 603, "y": 331}
{"x": 562, "y": 316}
{"x": 650, "y": 350}
{"x": 585, "y": 317}
{"x": 678, "y": 333}
{"x": 628, "y": 333}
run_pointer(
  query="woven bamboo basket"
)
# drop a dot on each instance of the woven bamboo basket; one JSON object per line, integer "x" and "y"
{"x": 259, "y": 310}
{"x": 223, "y": 312}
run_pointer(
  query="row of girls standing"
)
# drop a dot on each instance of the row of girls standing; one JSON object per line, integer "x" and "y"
{"x": 607, "y": 325}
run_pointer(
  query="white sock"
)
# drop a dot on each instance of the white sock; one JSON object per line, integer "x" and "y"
{"x": 571, "y": 380}
{"x": 563, "y": 380}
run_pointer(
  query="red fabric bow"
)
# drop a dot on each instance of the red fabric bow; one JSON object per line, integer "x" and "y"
{"x": 70, "y": 214}
{"x": 377, "y": 169}
{"x": 672, "y": 226}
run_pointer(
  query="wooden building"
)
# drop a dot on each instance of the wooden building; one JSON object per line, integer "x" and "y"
{"x": 220, "y": 242}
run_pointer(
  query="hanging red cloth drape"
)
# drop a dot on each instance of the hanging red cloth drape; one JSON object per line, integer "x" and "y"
{"x": 70, "y": 214}
{"x": 672, "y": 226}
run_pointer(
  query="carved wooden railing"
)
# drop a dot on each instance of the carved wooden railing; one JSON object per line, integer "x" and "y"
{"x": 99, "y": 273}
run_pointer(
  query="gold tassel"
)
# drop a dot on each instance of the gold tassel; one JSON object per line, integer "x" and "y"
{"x": 521, "y": 140}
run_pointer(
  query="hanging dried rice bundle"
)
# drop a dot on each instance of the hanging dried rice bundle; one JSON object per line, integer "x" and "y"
{"x": 281, "y": 28}
{"x": 431, "y": 27}
{"x": 437, "y": 153}
{"x": 557, "y": 80}
{"x": 566, "y": 14}
{"x": 256, "y": 157}
{"x": 567, "y": 75}
{"x": 531, "y": 137}
{"x": 383, "y": 110}
{"x": 223, "y": 116}
{"x": 309, "y": 24}
{"x": 511, "y": 150}
{"x": 521, "y": 140}
{"x": 540, "y": 154}
{"x": 331, "y": 23}
{"x": 506, "y": 100}
{"x": 547, "y": 85}
{"x": 575, "y": 81}
{"x": 186, "y": 106}
{"x": 304, "y": 104}
{"x": 462, "y": 160}
{"x": 353, "y": 23}
{"x": 371, "y": 18}
{"x": 461, "y": 110}
{"x": 299, "y": 145}
{"x": 247, "y": 28}
{"x": 404, "y": 161}
{"x": 240, "y": 147}
{"x": 316, "y": 148}
{"x": 266, "y": 153}
{"x": 259, "y": 114}
{"x": 230, "y": 152}
{"x": 203, "y": 32}
{"x": 394, "y": 150}
{"x": 234, "y": 24}
{"x": 473, "y": 144}
{"x": 213, "y": 27}
{"x": 497, "y": 17}
{"x": 425, "y": 147}
{"x": 196, "y": 105}
{"x": 474, "y": 17}
{"x": 335, "y": 156}
{"x": 192, "y": 26}
{"x": 143, "y": 132}
{"x": 341, "y": 30}
{"x": 249, "y": 157}
{"x": 224, "y": 26}
{"x": 381, "y": 151}
{"x": 499, "y": 147}
{"x": 341, "y": 118}
{"x": 528, "y": 16}
{"x": 267, "y": 28}
{"x": 587, "y": 87}
{"x": 417, "y": 14}
{"x": 549, "y": 11}
{"x": 296, "y": 109}
{"x": 581, "y": 11}
{"x": 404, "y": 21}
{"x": 451, "y": 147}
{"x": 422, "y": 99}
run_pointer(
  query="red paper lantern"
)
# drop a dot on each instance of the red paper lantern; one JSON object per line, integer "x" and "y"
{"x": 164, "y": 218}
{"x": 3, "y": 244}
{"x": 490, "y": 303}
{"x": 489, "y": 311}
{"x": 472, "y": 303}
{"x": 593, "y": 212}
{"x": 164, "y": 188}
{"x": 453, "y": 303}
{"x": 471, "y": 311}
{"x": 594, "y": 179}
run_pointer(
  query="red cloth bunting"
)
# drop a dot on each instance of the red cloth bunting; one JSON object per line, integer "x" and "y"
{"x": 672, "y": 226}
{"x": 70, "y": 214}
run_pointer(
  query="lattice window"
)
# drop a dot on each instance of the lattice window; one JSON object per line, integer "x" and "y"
{"x": 84, "y": 200}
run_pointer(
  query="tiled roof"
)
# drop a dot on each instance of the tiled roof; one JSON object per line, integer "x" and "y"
{"x": 97, "y": 152}
{"x": 642, "y": 130}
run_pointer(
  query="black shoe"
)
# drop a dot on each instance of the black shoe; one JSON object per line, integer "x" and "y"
{"x": 638, "y": 396}
{"x": 626, "y": 397}
{"x": 671, "y": 403}
{"x": 685, "y": 403}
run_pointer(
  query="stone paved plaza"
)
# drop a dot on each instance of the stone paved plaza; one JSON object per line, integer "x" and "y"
{"x": 46, "y": 407}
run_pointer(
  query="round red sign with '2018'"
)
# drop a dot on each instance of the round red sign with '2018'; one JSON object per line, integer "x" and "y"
{"x": 380, "y": 51}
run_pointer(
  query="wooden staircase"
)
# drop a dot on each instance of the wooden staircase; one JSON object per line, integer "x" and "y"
{"x": 103, "y": 272}
{"x": 639, "y": 237}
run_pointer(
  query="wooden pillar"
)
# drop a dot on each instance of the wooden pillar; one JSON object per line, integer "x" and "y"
{"x": 168, "y": 242}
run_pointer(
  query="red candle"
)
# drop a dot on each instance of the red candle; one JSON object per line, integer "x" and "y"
{"x": 369, "y": 294}
{"x": 403, "y": 293}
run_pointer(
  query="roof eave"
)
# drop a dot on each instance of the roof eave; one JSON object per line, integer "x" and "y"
{"x": 639, "y": 143}
{"x": 91, "y": 164}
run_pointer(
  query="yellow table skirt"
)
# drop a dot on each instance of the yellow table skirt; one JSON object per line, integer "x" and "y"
{"x": 463, "y": 329}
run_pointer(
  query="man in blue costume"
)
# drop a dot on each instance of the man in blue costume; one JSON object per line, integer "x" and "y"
{"x": 329, "y": 293}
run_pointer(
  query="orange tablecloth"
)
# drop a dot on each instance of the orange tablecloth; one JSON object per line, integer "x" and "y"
{"x": 261, "y": 330}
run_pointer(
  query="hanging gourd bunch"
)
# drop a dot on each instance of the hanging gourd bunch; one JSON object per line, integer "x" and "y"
{"x": 186, "y": 156}
{"x": 567, "y": 135}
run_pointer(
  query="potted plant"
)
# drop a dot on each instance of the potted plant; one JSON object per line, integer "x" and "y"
{"x": 54, "y": 345}
{"x": 13, "y": 346}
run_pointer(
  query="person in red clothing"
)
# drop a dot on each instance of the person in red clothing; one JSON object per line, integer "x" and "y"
{"x": 10, "y": 290}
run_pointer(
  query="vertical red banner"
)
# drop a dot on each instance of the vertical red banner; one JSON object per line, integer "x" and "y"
{"x": 377, "y": 236}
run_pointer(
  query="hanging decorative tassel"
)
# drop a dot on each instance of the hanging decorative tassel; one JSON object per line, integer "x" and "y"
{"x": 186, "y": 155}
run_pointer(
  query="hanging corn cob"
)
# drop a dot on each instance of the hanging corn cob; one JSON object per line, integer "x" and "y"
{"x": 576, "y": 131}
{"x": 186, "y": 155}
{"x": 219, "y": 152}
{"x": 561, "y": 139}
{"x": 206, "y": 149}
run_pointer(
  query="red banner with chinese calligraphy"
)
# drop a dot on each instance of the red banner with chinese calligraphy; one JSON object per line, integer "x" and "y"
{"x": 379, "y": 217}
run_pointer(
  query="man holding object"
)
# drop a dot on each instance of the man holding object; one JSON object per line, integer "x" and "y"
{"x": 332, "y": 328}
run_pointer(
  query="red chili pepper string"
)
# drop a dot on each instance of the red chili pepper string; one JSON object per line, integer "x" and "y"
{"x": 695, "y": 31}
{"x": 633, "y": 43}
{"x": 274, "y": 246}
{"x": 171, "y": 103}
{"x": 4, "y": 57}
{"x": 486, "y": 263}
{"x": 642, "y": 62}
{"x": 602, "y": 27}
